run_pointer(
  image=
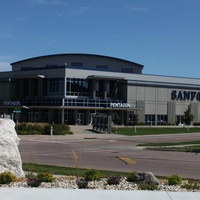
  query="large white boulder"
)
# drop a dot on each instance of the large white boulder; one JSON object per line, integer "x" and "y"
{"x": 10, "y": 159}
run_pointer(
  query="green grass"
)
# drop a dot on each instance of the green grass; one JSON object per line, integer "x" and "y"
{"x": 130, "y": 131}
{"x": 171, "y": 143}
{"x": 57, "y": 170}
{"x": 189, "y": 146}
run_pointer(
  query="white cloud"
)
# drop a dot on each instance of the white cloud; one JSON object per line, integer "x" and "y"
{"x": 136, "y": 8}
{"x": 5, "y": 66}
{"x": 50, "y": 2}
{"x": 74, "y": 11}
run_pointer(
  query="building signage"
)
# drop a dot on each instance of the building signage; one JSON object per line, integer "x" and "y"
{"x": 185, "y": 95}
{"x": 120, "y": 105}
{"x": 12, "y": 103}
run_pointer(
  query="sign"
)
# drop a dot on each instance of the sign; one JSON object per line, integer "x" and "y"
{"x": 185, "y": 95}
{"x": 120, "y": 105}
{"x": 12, "y": 103}
{"x": 17, "y": 110}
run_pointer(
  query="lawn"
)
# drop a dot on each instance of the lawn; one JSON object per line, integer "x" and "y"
{"x": 131, "y": 131}
{"x": 67, "y": 171}
{"x": 189, "y": 146}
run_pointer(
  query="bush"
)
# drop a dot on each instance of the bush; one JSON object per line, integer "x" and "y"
{"x": 148, "y": 187}
{"x": 174, "y": 180}
{"x": 44, "y": 177}
{"x": 7, "y": 177}
{"x": 114, "y": 180}
{"x": 91, "y": 175}
{"x": 113, "y": 129}
{"x": 82, "y": 184}
{"x": 58, "y": 129}
{"x": 41, "y": 128}
{"x": 29, "y": 129}
{"x": 36, "y": 180}
{"x": 131, "y": 177}
{"x": 191, "y": 186}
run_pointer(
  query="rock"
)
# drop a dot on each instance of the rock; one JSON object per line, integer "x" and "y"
{"x": 146, "y": 178}
{"x": 10, "y": 159}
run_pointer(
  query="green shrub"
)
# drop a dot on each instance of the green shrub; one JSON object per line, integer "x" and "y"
{"x": 131, "y": 177}
{"x": 191, "y": 186}
{"x": 140, "y": 123}
{"x": 92, "y": 175}
{"x": 7, "y": 177}
{"x": 44, "y": 177}
{"x": 82, "y": 184}
{"x": 58, "y": 129}
{"x": 147, "y": 187}
{"x": 29, "y": 128}
{"x": 114, "y": 180}
{"x": 174, "y": 180}
{"x": 113, "y": 129}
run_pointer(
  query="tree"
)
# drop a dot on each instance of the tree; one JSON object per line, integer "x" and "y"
{"x": 116, "y": 119}
{"x": 135, "y": 119}
{"x": 188, "y": 116}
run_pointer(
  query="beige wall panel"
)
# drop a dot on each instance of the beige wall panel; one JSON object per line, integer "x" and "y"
{"x": 150, "y": 108}
{"x": 132, "y": 95}
{"x": 140, "y": 93}
{"x": 180, "y": 108}
{"x": 162, "y": 94}
{"x": 162, "y": 108}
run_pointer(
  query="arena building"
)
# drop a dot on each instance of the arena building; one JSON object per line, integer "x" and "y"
{"x": 71, "y": 88}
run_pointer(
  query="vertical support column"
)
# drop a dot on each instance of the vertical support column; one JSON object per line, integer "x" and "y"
{"x": 63, "y": 116}
{"x": 104, "y": 89}
{"x": 75, "y": 116}
{"x": 141, "y": 111}
{"x": 93, "y": 89}
{"x": 65, "y": 87}
{"x": 87, "y": 117}
{"x": 115, "y": 89}
{"x": 194, "y": 110}
{"x": 122, "y": 116}
{"x": 171, "y": 112}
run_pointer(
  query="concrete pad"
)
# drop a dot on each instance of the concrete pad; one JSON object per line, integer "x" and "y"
{"x": 63, "y": 194}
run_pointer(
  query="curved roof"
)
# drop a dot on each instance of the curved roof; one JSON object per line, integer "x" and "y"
{"x": 76, "y": 54}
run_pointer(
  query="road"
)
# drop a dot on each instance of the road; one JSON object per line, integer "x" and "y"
{"x": 111, "y": 152}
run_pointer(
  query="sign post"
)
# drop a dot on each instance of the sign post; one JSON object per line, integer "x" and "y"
{"x": 17, "y": 111}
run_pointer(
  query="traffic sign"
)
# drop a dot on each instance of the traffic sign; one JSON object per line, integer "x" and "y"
{"x": 17, "y": 110}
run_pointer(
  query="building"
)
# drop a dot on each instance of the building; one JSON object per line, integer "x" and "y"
{"x": 71, "y": 88}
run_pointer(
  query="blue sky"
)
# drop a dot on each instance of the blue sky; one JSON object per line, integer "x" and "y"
{"x": 162, "y": 35}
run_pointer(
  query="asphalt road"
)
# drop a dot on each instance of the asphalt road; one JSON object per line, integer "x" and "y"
{"x": 111, "y": 152}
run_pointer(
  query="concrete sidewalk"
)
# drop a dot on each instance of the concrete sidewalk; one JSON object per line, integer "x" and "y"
{"x": 63, "y": 194}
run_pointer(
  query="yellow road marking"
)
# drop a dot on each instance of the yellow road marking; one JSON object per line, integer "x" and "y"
{"x": 127, "y": 160}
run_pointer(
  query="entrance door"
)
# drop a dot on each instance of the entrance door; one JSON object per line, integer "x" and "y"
{"x": 80, "y": 120}
{"x": 179, "y": 119}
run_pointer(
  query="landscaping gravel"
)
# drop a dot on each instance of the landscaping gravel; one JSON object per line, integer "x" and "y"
{"x": 70, "y": 183}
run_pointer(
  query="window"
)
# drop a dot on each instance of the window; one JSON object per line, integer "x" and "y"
{"x": 76, "y": 64}
{"x": 127, "y": 70}
{"x": 161, "y": 119}
{"x": 77, "y": 87}
{"x": 150, "y": 119}
{"x": 101, "y": 66}
{"x": 55, "y": 86}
